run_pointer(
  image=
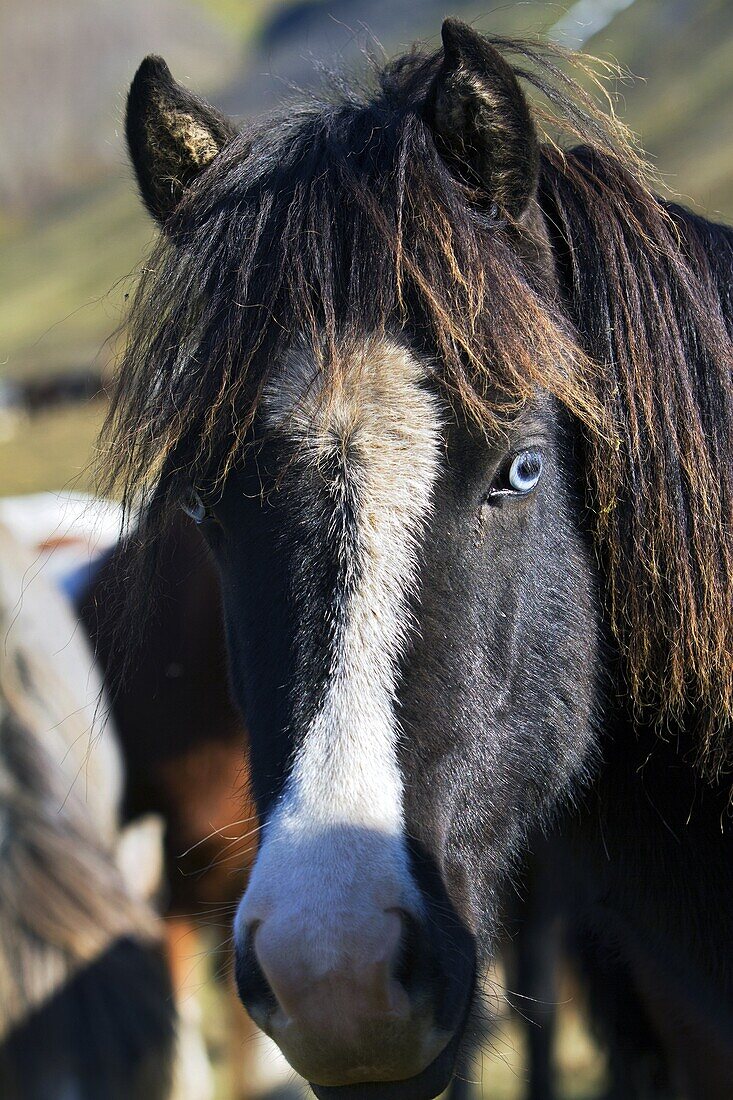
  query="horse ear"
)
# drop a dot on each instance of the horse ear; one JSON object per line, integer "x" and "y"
{"x": 172, "y": 135}
{"x": 481, "y": 120}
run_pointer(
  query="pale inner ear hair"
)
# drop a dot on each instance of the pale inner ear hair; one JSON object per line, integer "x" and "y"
{"x": 186, "y": 131}
{"x": 181, "y": 138}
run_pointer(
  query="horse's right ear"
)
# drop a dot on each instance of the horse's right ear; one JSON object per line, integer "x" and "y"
{"x": 172, "y": 136}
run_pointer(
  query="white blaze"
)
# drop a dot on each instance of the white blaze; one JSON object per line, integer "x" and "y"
{"x": 334, "y": 847}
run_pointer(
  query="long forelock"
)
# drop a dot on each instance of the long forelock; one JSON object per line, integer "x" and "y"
{"x": 338, "y": 221}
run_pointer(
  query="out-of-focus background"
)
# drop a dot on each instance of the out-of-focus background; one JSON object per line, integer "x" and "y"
{"x": 73, "y": 233}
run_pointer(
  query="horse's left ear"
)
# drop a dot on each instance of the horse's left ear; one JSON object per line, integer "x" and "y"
{"x": 481, "y": 120}
{"x": 172, "y": 136}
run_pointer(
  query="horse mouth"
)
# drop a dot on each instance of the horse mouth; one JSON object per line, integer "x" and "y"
{"x": 426, "y": 1085}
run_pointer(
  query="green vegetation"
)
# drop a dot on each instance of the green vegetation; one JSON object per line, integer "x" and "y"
{"x": 683, "y": 106}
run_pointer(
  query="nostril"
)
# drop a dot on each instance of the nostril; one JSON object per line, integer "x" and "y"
{"x": 254, "y": 989}
{"x": 407, "y": 963}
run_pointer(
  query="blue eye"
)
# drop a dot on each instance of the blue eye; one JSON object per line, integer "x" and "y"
{"x": 520, "y": 477}
{"x": 525, "y": 471}
{"x": 193, "y": 506}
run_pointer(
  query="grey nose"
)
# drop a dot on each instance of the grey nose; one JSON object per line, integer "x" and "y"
{"x": 332, "y": 996}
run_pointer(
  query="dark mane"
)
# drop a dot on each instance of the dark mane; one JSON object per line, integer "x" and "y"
{"x": 649, "y": 290}
{"x": 340, "y": 218}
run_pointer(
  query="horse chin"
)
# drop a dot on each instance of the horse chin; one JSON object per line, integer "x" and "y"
{"x": 425, "y": 1085}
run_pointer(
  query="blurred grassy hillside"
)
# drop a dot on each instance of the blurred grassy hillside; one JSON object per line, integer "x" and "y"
{"x": 68, "y": 262}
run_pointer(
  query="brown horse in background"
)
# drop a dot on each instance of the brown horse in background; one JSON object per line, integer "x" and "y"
{"x": 181, "y": 734}
{"x": 182, "y": 742}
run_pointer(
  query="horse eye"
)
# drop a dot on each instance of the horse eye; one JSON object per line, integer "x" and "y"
{"x": 193, "y": 506}
{"x": 525, "y": 471}
{"x": 521, "y": 477}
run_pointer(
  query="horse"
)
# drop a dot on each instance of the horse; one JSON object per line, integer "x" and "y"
{"x": 451, "y": 404}
{"x": 85, "y": 1005}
